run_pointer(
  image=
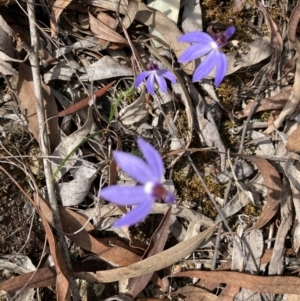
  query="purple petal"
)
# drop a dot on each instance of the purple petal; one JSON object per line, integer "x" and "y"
{"x": 170, "y": 197}
{"x": 135, "y": 215}
{"x": 169, "y": 75}
{"x": 194, "y": 52}
{"x": 141, "y": 77}
{"x": 229, "y": 32}
{"x": 221, "y": 68}
{"x": 205, "y": 67}
{"x": 134, "y": 166}
{"x": 153, "y": 159}
{"x": 161, "y": 82}
{"x": 150, "y": 83}
{"x": 196, "y": 37}
{"x": 125, "y": 195}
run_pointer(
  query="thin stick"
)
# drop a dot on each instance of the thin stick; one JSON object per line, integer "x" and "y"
{"x": 44, "y": 144}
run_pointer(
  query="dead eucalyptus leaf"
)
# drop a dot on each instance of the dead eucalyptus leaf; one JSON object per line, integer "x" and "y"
{"x": 57, "y": 9}
{"x": 193, "y": 293}
{"x": 102, "y": 31}
{"x": 153, "y": 263}
{"x": 105, "y": 68}
{"x": 275, "y": 102}
{"x": 260, "y": 49}
{"x": 192, "y": 16}
{"x": 264, "y": 284}
{"x": 27, "y": 97}
{"x": 74, "y": 192}
{"x": 293, "y": 143}
{"x": 157, "y": 244}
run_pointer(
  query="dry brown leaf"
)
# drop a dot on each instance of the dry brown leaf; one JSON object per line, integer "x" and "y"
{"x": 293, "y": 143}
{"x": 62, "y": 282}
{"x": 39, "y": 278}
{"x": 228, "y": 293}
{"x": 57, "y": 9}
{"x": 102, "y": 31}
{"x": 238, "y": 5}
{"x": 157, "y": 244}
{"x": 273, "y": 185}
{"x": 28, "y": 106}
{"x": 132, "y": 9}
{"x": 193, "y": 293}
{"x": 152, "y": 299}
{"x": 264, "y": 284}
{"x": 72, "y": 222}
{"x": 275, "y": 102}
{"x": 153, "y": 263}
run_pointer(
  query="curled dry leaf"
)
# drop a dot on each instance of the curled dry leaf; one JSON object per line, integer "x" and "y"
{"x": 74, "y": 192}
{"x": 103, "y": 31}
{"x": 57, "y": 9}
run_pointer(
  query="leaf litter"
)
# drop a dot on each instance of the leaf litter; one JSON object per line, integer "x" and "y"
{"x": 235, "y": 145}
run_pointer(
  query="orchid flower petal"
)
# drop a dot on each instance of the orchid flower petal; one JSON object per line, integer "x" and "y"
{"x": 168, "y": 75}
{"x": 150, "y": 83}
{"x": 153, "y": 159}
{"x": 194, "y": 52}
{"x": 205, "y": 67}
{"x": 196, "y": 37}
{"x": 134, "y": 166}
{"x": 161, "y": 82}
{"x": 136, "y": 215}
{"x": 221, "y": 67}
{"x": 229, "y": 32}
{"x": 125, "y": 195}
{"x": 141, "y": 77}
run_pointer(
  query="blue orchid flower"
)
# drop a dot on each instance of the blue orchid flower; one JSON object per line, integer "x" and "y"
{"x": 155, "y": 75}
{"x": 204, "y": 44}
{"x": 149, "y": 174}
